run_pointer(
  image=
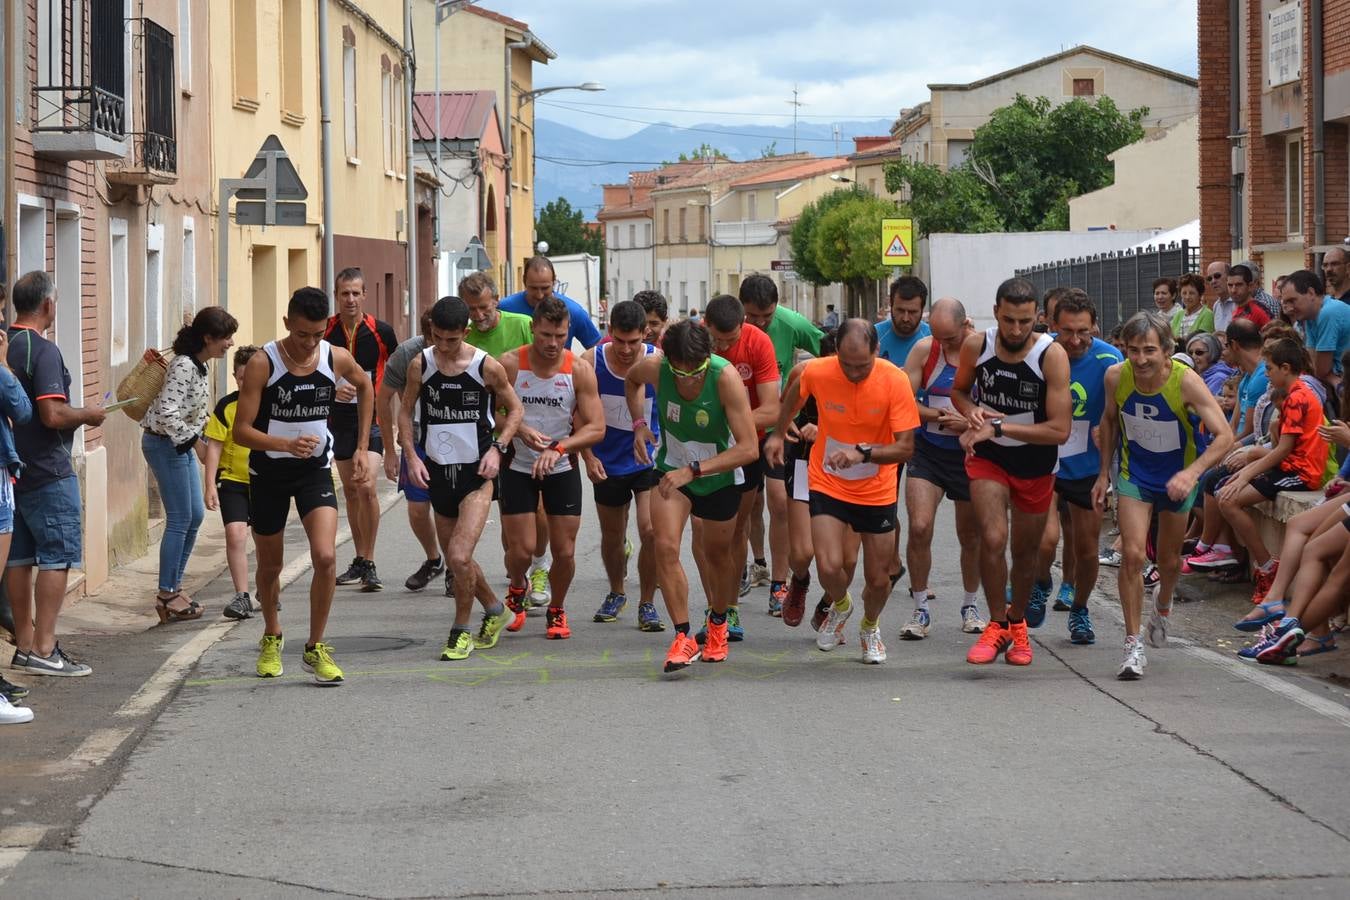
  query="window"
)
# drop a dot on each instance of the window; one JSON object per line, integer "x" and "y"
{"x": 189, "y": 266}
{"x": 387, "y": 116}
{"x": 629, "y": 295}
{"x": 185, "y": 44}
{"x": 292, "y": 61}
{"x": 702, "y": 227}
{"x": 245, "y": 52}
{"x": 69, "y": 299}
{"x": 349, "y": 99}
{"x": 751, "y": 206}
{"x": 614, "y": 237}
{"x": 32, "y": 249}
{"x": 684, "y": 293}
{"x": 683, "y": 231}
{"x": 117, "y": 246}
{"x": 647, "y": 234}
{"x": 632, "y": 235}
{"x": 665, "y": 226}
{"x": 1084, "y": 87}
{"x": 154, "y": 286}
{"x": 703, "y": 292}
{"x": 1293, "y": 188}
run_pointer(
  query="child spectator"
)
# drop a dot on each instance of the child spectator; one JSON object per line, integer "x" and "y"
{"x": 227, "y": 488}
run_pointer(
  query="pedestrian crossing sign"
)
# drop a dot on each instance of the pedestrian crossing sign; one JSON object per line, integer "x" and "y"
{"x": 897, "y": 242}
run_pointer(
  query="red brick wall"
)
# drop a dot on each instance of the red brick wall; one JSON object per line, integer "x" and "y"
{"x": 1216, "y": 221}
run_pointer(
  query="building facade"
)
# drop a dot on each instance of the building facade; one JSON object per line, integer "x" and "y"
{"x": 1155, "y": 185}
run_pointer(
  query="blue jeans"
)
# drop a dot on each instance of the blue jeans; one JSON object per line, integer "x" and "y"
{"x": 180, "y": 489}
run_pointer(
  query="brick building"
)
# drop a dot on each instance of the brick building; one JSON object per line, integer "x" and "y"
{"x": 1274, "y": 130}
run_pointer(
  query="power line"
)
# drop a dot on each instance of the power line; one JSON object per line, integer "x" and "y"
{"x": 723, "y": 112}
{"x": 762, "y": 137}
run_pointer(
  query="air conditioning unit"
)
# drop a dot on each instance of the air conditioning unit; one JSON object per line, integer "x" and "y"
{"x": 1239, "y": 159}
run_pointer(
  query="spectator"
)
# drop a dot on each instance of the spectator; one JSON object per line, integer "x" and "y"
{"x": 227, "y": 488}
{"x": 1244, "y": 350}
{"x": 1218, "y": 298}
{"x": 172, "y": 445}
{"x": 694, "y": 316}
{"x": 1207, "y": 354}
{"x": 1165, "y": 297}
{"x": 1321, "y": 320}
{"x": 15, "y": 408}
{"x": 1241, "y": 287}
{"x": 1262, "y": 297}
{"x": 1335, "y": 272}
{"x": 1192, "y": 316}
{"x": 47, "y": 513}
{"x": 831, "y": 320}
{"x": 540, "y": 281}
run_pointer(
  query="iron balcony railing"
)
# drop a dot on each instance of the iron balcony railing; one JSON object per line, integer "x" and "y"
{"x": 70, "y": 107}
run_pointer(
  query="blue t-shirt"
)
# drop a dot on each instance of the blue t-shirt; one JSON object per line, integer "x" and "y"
{"x": 1330, "y": 331}
{"x": 579, "y": 327}
{"x": 1250, "y": 389}
{"x": 45, "y": 451}
{"x": 895, "y": 348}
{"x": 1087, "y": 389}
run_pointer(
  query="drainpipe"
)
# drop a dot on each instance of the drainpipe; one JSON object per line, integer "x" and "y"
{"x": 410, "y": 217}
{"x": 1235, "y": 109}
{"x": 1319, "y": 134}
{"x": 326, "y": 153}
{"x": 506, "y": 139}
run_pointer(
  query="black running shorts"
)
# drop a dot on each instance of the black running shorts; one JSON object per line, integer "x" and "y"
{"x": 862, "y": 519}
{"x": 270, "y": 498}
{"x": 520, "y": 493}
{"x": 619, "y": 490}
{"x": 233, "y": 501}
{"x": 449, "y": 485}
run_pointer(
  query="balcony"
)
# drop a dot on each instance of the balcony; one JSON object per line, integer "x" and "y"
{"x": 744, "y": 234}
{"x": 86, "y": 119}
{"x": 154, "y": 146}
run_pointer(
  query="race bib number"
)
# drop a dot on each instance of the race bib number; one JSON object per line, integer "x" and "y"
{"x": 858, "y": 472}
{"x": 1079, "y": 434}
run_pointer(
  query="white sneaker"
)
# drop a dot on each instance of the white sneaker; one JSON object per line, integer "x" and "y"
{"x": 17, "y": 715}
{"x": 832, "y": 631}
{"x": 874, "y": 651}
{"x": 1132, "y": 661}
{"x": 971, "y": 620}
{"x": 539, "y": 594}
{"x": 916, "y": 629}
{"x": 759, "y": 575}
{"x": 1156, "y": 630}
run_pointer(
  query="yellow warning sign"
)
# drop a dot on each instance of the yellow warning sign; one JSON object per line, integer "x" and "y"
{"x": 897, "y": 242}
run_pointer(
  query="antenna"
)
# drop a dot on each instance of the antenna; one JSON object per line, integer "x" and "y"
{"x": 795, "y": 104}
{"x": 836, "y": 139}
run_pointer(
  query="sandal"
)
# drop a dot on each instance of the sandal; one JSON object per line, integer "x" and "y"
{"x": 1317, "y": 644}
{"x": 168, "y": 614}
{"x": 1268, "y": 615}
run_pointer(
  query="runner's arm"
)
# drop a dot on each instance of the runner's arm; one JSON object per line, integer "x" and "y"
{"x": 1196, "y": 397}
{"x": 504, "y": 396}
{"x": 588, "y": 422}
{"x": 1106, "y": 435}
{"x": 642, "y": 373}
{"x": 965, "y": 380}
{"x": 792, "y": 401}
{"x": 918, "y": 355}
{"x": 345, "y": 364}
{"x": 246, "y": 412}
{"x": 736, "y": 403}
{"x": 411, "y": 388}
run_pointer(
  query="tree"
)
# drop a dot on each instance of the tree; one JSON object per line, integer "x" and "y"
{"x": 702, "y": 151}
{"x": 955, "y": 202}
{"x": 837, "y": 239}
{"x": 565, "y": 231}
{"x": 804, "y": 261}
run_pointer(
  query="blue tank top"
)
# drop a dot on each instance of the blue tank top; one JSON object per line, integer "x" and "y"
{"x": 615, "y": 450}
{"x": 1078, "y": 456}
{"x": 936, "y": 393}
{"x": 1158, "y": 432}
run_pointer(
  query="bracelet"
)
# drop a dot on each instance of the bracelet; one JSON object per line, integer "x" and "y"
{"x": 639, "y": 423}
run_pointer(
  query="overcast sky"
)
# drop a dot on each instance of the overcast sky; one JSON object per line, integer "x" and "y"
{"x": 850, "y": 59}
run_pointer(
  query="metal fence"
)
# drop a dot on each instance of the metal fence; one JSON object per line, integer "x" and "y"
{"x": 1119, "y": 283}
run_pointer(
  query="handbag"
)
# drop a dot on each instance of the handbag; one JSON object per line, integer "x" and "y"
{"x": 143, "y": 383}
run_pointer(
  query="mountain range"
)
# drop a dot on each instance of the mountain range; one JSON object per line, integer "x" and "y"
{"x": 573, "y": 164}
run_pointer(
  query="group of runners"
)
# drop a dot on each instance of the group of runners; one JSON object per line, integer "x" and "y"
{"x": 697, "y": 426}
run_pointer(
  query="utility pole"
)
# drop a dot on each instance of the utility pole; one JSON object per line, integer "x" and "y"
{"x": 795, "y": 104}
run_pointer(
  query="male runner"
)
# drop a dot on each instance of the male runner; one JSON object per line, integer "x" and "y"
{"x": 370, "y": 341}
{"x": 657, "y": 311}
{"x": 618, "y": 478}
{"x": 494, "y": 330}
{"x": 563, "y": 415}
{"x": 458, "y": 388}
{"x": 707, "y": 434}
{"x": 867, "y": 418}
{"x": 1013, "y": 388}
{"x": 286, "y": 398}
{"x": 1153, "y": 407}
{"x": 1074, "y": 319}
{"x": 939, "y": 467}
{"x": 790, "y": 332}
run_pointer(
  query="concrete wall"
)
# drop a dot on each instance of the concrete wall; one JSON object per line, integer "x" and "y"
{"x": 1155, "y": 186}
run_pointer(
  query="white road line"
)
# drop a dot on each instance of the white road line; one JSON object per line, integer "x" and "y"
{"x": 15, "y": 843}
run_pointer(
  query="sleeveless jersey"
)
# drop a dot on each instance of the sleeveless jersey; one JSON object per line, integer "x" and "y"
{"x": 615, "y": 450}
{"x": 694, "y": 429}
{"x": 936, "y": 393}
{"x": 1157, "y": 431}
{"x": 549, "y": 404}
{"x": 1016, "y": 391}
{"x": 457, "y": 418}
{"x": 1078, "y": 456}
{"x": 294, "y": 405}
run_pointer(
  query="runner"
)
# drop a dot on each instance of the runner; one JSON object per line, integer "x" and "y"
{"x": 867, "y": 419}
{"x": 1074, "y": 319}
{"x": 1153, "y": 407}
{"x": 707, "y": 434}
{"x": 618, "y": 478}
{"x": 494, "y": 330}
{"x": 790, "y": 333}
{"x": 227, "y": 488}
{"x": 563, "y": 415}
{"x": 657, "y": 311}
{"x": 1013, "y": 388}
{"x": 939, "y": 467}
{"x": 370, "y": 341}
{"x": 285, "y": 400}
{"x": 452, "y": 455}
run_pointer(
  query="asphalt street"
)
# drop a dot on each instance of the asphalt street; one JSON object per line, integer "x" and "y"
{"x": 576, "y": 766}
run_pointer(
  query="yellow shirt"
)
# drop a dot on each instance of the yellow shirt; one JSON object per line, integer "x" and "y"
{"x": 220, "y": 428}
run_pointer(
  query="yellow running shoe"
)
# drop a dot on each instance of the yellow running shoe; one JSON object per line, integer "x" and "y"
{"x": 492, "y": 628}
{"x": 540, "y": 594}
{"x": 319, "y": 661}
{"x": 458, "y": 646}
{"x": 269, "y": 656}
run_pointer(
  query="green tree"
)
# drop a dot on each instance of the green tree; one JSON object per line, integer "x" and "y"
{"x": 841, "y": 241}
{"x": 955, "y": 202}
{"x": 702, "y": 151}
{"x": 804, "y": 261}
{"x": 565, "y": 231}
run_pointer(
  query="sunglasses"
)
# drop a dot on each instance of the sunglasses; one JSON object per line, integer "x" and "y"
{"x": 693, "y": 373}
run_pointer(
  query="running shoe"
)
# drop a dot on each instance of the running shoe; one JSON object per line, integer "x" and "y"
{"x": 992, "y": 642}
{"x": 745, "y": 582}
{"x": 971, "y": 620}
{"x": 19, "y": 660}
{"x": 1040, "y": 597}
{"x": 777, "y": 597}
{"x": 319, "y": 663}
{"x": 1132, "y": 660}
{"x": 540, "y": 593}
{"x": 682, "y": 652}
{"x": 240, "y": 607}
{"x": 457, "y": 646}
{"x": 1283, "y": 647}
{"x": 11, "y": 690}
{"x": 1155, "y": 632}
{"x": 1110, "y": 558}
{"x": 418, "y": 580}
{"x": 1080, "y": 627}
{"x": 1064, "y": 602}
{"x": 759, "y": 575}
{"x": 794, "y": 604}
{"x": 648, "y": 618}
{"x": 515, "y": 601}
{"x": 715, "y": 645}
{"x": 1264, "y": 640}
{"x": 627, "y": 549}
{"x": 1019, "y": 653}
{"x": 916, "y": 629}
{"x": 370, "y": 581}
{"x": 873, "y": 650}
{"x": 1213, "y": 559}
{"x": 1264, "y": 578}
{"x": 490, "y": 631}
{"x": 449, "y": 584}
{"x": 269, "y": 656}
{"x": 556, "y": 624}
{"x": 1152, "y": 577}
{"x": 818, "y": 617}
{"x": 13, "y": 715}
{"x": 832, "y": 630}
{"x": 610, "y": 608}
{"x": 58, "y": 663}
{"x": 354, "y": 572}
{"x": 734, "y": 630}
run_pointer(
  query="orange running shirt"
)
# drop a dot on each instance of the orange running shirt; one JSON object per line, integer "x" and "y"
{"x": 870, "y": 412}
{"x": 1300, "y": 414}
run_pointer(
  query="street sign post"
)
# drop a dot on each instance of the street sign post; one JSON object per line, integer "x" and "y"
{"x": 897, "y": 242}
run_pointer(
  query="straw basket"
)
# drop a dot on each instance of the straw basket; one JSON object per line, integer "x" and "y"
{"x": 143, "y": 383}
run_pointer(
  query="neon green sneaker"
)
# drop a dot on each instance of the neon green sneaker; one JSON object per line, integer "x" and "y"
{"x": 458, "y": 646}
{"x": 492, "y": 628}
{"x": 319, "y": 661}
{"x": 269, "y": 656}
{"x": 539, "y": 594}
{"x": 627, "y": 549}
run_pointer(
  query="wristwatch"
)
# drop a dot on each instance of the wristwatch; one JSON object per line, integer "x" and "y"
{"x": 865, "y": 450}
{"x": 998, "y": 427}
{"x": 501, "y": 448}
{"x": 695, "y": 468}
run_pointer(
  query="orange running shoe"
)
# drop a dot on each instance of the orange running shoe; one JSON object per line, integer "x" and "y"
{"x": 515, "y": 601}
{"x": 682, "y": 652}
{"x": 715, "y": 644}
{"x": 1019, "y": 654}
{"x": 1264, "y": 579}
{"x": 993, "y": 641}
{"x": 557, "y": 629}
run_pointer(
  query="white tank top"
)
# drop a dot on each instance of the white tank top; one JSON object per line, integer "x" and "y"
{"x": 549, "y": 404}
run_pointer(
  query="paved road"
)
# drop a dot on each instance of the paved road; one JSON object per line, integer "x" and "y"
{"x": 545, "y": 767}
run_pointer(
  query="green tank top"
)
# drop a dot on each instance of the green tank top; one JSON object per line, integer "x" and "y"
{"x": 693, "y": 429}
{"x": 1159, "y": 435}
